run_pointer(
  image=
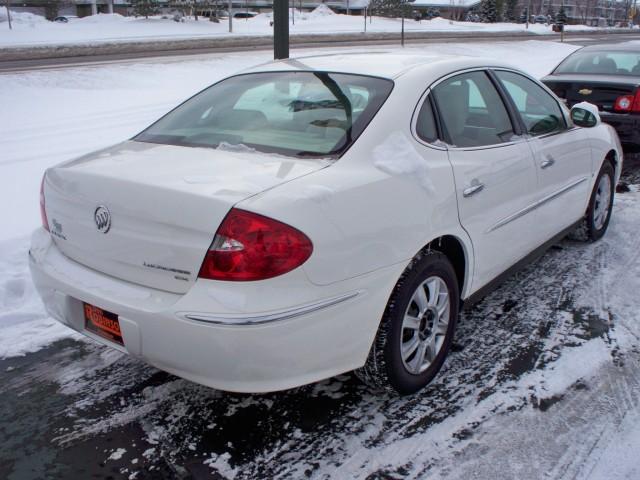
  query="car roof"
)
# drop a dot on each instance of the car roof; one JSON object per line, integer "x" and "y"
{"x": 613, "y": 47}
{"x": 379, "y": 64}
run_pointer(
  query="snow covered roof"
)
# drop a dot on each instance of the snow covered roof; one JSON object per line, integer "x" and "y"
{"x": 379, "y": 64}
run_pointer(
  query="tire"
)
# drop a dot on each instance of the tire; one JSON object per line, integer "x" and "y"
{"x": 431, "y": 324}
{"x": 596, "y": 220}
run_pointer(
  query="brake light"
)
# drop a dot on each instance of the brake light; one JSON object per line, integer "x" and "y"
{"x": 248, "y": 246}
{"x": 43, "y": 212}
{"x": 628, "y": 103}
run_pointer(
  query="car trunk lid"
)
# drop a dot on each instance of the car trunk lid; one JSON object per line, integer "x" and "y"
{"x": 600, "y": 90}
{"x": 165, "y": 204}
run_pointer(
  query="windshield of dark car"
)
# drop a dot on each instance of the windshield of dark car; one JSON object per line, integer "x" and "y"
{"x": 291, "y": 113}
{"x": 603, "y": 63}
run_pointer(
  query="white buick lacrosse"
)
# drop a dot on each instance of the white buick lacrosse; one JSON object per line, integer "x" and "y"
{"x": 314, "y": 216}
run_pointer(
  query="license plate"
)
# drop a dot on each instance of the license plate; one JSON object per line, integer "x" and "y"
{"x": 102, "y": 323}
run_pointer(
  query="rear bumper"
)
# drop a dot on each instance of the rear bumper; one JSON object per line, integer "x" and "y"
{"x": 627, "y": 126}
{"x": 244, "y": 337}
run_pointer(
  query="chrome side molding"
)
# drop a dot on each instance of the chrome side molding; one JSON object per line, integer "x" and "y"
{"x": 537, "y": 204}
{"x": 230, "y": 319}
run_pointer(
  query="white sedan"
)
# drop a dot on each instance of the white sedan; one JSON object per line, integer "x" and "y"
{"x": 315, "y": 216}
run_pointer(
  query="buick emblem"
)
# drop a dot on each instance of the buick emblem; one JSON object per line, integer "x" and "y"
{"x": 102, "y": 216}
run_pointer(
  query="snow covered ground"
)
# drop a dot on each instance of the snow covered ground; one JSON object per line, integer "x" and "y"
{"x": 33, "y": 30}
{"x": 543, "y": 383}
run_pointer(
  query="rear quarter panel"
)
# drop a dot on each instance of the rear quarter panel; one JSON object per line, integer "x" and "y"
{"x": 378, "y": 205}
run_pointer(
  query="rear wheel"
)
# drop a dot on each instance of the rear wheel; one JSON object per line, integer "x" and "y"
{"x": 596, "y": 220}
{"x": 416, "y": 330}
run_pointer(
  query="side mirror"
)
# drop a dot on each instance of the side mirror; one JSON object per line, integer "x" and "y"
{"x": 585, "y": 114}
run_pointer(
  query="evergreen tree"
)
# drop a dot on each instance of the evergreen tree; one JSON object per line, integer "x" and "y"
{"x": 144, "y": 8}
{"x": 488, "y": 11}
{"x": 551, "y": 12}
{"x": 510, "y": 10}
{"x": 561, "y": 17}
{"x": 387, "y": 8}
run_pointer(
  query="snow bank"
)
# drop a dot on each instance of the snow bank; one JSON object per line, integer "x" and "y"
{"x": 102, "y": 19}
{"x": 321, "y": 11}
{"x": 21, "y": 18}
{"x": 110, "y": 28}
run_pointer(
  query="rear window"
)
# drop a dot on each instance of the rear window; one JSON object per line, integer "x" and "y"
{"x": 604, "y": 63}
{"x": 304, "y": 114}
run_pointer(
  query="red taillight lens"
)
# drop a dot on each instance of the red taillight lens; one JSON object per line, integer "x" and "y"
{"x": 248, "y": 246}
{"x": 43, "y": 212}
{"x": 628, "y": 103}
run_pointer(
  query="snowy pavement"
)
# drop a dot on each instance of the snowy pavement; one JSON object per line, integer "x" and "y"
{"x": 543, "y": 381}
{"x": 32, "y": 30}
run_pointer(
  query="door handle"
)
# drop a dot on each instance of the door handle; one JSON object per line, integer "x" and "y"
{"x": 548, "y": 162}
{"x": 474, "y": 188}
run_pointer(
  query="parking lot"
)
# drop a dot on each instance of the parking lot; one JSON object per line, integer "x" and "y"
{"x": 543, "y": 381}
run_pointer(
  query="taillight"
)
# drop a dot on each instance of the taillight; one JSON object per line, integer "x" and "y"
{"x": 248, "y": 246}
{"x": 43, "y": 212}
{"x": 628, "y": 103}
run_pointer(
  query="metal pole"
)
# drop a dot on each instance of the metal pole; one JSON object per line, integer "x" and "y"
{"x": 402, "y": 34}
{"x": 280, "y": 29}
{"x": 293, "y": 13}
{"x": 528, "y": 9}
{"x": 9, "y": 15}
{"x": 564, "y": 21}
{"x": 365, "y": 19}
{"x": 230, "y": 16}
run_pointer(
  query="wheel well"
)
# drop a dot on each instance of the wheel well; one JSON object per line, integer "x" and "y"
{"x": 612, "y": 157}
{"x": 454, "y": 251}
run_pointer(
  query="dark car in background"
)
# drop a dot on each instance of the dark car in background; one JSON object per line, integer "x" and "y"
{"x": 607, "y": 76}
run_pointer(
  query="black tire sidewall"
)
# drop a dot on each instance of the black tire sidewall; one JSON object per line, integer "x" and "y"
{"x": 595, "y": 233}
{"x": 432, "y": 264}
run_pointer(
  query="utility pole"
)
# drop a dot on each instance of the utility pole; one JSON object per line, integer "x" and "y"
{"x": 528, "y": 10}
{"x": 365, "y": 19}
{"x": 230, "y": 16}
{"x": 280, "y": 29}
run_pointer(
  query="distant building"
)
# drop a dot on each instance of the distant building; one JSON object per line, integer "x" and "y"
{"x": 587, "y": 12}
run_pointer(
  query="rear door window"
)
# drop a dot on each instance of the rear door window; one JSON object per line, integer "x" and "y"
{"x": 471, "y": 111}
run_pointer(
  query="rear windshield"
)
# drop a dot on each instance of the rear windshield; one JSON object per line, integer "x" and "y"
{"x": 305, "y": 114}
{"x": 604, "y": 63}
